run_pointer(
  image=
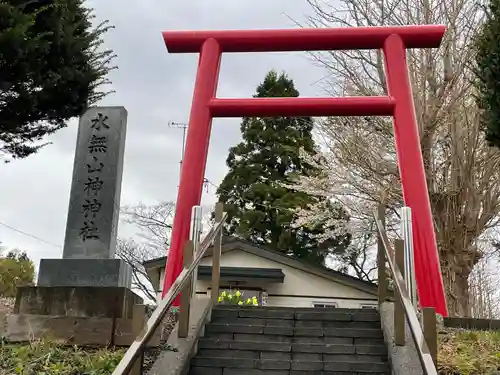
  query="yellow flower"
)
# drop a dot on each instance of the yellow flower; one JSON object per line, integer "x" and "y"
{"x": 223, "y": 294}
{"x": 240, "y": 303}
{"x": 229, "y": 296}
{"x": 255, "y": 303}
{"x": 254, "y": 299}
{"x": 249, "y": 301}
{"x": 237, "y": 294}
{"x": 219, "y": 299}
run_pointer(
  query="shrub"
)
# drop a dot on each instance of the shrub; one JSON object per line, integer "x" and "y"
{"x": 237, "y": 298}
{"x": 16, "y": 270}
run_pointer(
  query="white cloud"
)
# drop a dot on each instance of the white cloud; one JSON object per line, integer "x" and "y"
{"x": 156, "y": 88}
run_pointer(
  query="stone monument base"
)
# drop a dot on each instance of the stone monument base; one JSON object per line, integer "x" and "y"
{"x": 76, "y": 316}
{"x": 108, "y": 302}
{"x": 84, "y": 273}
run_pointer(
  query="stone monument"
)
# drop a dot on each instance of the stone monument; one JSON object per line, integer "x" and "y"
{"x": 88, "y": 281}
{"x": 94, "y": 206}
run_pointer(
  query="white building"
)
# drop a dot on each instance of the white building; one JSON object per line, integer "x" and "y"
{"x": 275, "y": 279}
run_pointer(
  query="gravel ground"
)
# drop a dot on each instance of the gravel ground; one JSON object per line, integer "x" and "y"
{"x": 151, "y": 354}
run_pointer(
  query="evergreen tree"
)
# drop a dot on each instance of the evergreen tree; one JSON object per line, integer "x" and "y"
{"x": 260, "y": 207}
{"x": 51, "y": 65}
{"x": 488, "y": 73}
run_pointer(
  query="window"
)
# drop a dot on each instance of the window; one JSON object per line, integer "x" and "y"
{"x": 369, "y": 307}
{"x": 326, "y": 305}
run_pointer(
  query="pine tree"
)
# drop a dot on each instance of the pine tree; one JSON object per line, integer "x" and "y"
{"x": 52, "y": 65}
{"x": 488, "y": 73}
{"x": 260, "y": 206}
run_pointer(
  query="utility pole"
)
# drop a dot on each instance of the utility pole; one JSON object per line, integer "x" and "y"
{"x": 183, "y": 126}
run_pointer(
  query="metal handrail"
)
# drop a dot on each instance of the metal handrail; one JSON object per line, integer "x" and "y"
{"x": 409, "y": 310}
{"x": 135, "y": 349}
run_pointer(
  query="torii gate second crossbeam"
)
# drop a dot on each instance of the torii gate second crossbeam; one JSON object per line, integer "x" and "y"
{"x": 399, "y": 104}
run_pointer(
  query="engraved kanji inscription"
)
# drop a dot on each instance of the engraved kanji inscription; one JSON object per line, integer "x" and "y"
{"x": 96, "y": 166}
{"x": 89, "y": 231}
{"x": 99, "y": 122}
{"x": 91, "y": 207}
{"x": 98, "y": 144}
{"x": 93, "y": 185}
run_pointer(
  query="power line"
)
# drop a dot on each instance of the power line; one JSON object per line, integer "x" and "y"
{"x": 29, "y": 235}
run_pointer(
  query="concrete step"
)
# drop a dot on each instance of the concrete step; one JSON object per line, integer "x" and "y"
{"x": 323, "y": 340}
{"x": 228, "y": 366}
{"x": 297, "y": 347}
{"x": 215, "y": 329}
{"x": 291, "y": 341}
{"x": 309, "y": 314}
{"x": 231, "y": 371}
{"x": 299, "y": 309}
{"x": 375, "y": 324}
{"x": 289, "y": 356}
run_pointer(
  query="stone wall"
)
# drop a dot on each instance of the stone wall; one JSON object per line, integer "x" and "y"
{"x": 472, "y": 323}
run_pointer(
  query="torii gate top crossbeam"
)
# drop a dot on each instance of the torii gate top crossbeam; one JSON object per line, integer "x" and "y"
{"x": 392, "y": 40}
{"x": 286, "y": 40}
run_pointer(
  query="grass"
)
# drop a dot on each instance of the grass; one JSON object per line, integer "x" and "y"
{"x": 46, "y": 358}
{"x": 43, "y": 357}
{"x": 461, "y": 352}
{"x": 466, "y": 352}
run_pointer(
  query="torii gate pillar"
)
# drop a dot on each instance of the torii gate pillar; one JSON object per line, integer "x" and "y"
{"x": 399, "y": 104}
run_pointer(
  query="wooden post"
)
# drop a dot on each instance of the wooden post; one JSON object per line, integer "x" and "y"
{"x": 399, "y": 315}
{"x": 382, "y": 275}
{"x": 186, "y": 293}
{"x": 430, "y": 331}
{"x": 219, "y": 211}
{"x": 138, "y": 324}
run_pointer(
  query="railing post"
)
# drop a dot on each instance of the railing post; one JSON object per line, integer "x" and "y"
{"x": 219, "y": 212}
{"x": 407, "y": 236}
{"x": 186, "y": 293}
{"x": 195, "y": 236}
{"x": 430, "y": 331}
{"x": 179, "y": 286}
{"x": 138, "y": 323}
{"x": 399, "y": 315}
{"x": 382, "y": 275}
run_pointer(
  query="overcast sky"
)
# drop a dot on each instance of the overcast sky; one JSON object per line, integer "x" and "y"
{"x": 155, "y": 88}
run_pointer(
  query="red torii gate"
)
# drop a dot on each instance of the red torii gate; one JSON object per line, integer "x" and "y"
{"x": 398, "y": 104}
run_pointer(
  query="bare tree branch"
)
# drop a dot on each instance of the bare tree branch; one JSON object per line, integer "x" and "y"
{"x": 154, "y": 226}
{"x": 154, "y": 222}
{"x": 462, "y": 172}
{"x": 135, "y": 255}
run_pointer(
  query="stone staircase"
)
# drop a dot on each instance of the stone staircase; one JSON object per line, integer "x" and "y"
{"x": 288, "y": 341}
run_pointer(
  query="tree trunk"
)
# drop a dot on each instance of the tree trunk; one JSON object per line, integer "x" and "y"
{"x": 456, "y": 285}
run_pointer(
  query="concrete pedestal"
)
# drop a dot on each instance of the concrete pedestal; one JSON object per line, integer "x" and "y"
{"x": 105, "y": 302}
{"x": 84, "y": 273}
{"x": 74, "y": 315}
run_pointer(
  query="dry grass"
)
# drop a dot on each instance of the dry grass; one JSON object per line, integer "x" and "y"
{"x": 45, "y": 358}
{"x": 42, "y": 357}
{"x": 466, "y": 352}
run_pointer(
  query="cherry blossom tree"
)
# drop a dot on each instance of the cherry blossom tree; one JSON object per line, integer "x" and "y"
{"x": 359, "y": 158}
